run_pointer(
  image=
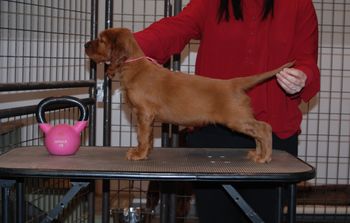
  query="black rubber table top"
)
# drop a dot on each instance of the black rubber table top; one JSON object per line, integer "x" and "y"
{"x": 187, "y": 164}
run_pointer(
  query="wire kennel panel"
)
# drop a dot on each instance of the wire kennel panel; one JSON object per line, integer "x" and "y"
{"x": 138, "y": 14}
{"x": 333, "y": 107}
{"x": 325, "y": 138}
{"x": 43, "y": 40}
{"x": 42, "y": 55}
{"x": 326, "y": 127}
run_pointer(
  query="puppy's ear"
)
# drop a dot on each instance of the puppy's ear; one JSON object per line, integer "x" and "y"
{"x": 119, "y": 51}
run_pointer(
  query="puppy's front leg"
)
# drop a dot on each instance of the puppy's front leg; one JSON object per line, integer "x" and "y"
{"x": 144, "y": 138}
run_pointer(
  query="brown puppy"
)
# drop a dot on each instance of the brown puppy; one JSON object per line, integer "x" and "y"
{"x": 154, "y": 92}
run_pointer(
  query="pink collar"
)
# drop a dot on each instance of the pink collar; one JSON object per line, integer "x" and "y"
{"x": 143, "y": 57}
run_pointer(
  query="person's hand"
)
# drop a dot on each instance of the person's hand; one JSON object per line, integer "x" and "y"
{"x": 291, "y": 80}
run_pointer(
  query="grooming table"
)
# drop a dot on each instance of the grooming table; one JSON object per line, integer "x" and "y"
{"x": 164, "y": 164}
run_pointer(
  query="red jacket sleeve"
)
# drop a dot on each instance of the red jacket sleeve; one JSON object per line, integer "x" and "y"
{"x": 306, "y": 48}
{"x": 170, "y": 35}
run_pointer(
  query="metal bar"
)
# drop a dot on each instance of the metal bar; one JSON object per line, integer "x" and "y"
{"x": 166, "y": 7}
{"x": 172, "y": 205}
{"x": 91, "y": 202}
{"x": 109, "y": 14}
{"x": 177, "y": 6}
{"x": 5, "y": 195}
{"x": 107, "y": 114}
{"x": 167, "y": 202}
{"x": 176, "y": 66}
{"x": 20, "y": 202}
{"x": 175, "y": 138}
{"x": 164, "y": 206}
{"x": 46, "y": 85}
{"x": 77, "y": 186}
{"x": 25, "y": 110}
{"x": 245, "y": 207}
{"x": 105, "y": 200}
{"x": 107, "y": 97}
{"x": 279, "y": 203}
{"x": 165, "y": 135}
{"x": 165, "y": 196}
{"x": 292, "y": 204}
{"x": 93, "y": 74}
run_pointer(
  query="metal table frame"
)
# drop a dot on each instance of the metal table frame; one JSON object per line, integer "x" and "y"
{"x": 165, "y": 164}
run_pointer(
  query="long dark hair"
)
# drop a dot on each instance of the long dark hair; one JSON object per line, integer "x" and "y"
{"x": 224, "y": 11}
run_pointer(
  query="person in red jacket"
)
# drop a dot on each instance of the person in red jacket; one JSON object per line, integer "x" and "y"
{"x": 240, "y": 38}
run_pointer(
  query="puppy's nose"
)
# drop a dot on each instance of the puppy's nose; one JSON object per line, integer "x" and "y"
{"x": 87, "y": 45}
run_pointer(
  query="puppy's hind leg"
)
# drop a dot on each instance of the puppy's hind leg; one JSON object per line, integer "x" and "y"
{"x": 263, "y": 137}
{"x": 262, "y": 134}
{"x": 144, "y": 138}
{"x": 252, "y": 154}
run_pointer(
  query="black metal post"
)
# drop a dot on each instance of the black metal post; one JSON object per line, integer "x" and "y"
{"x": 292, "y": 204}
{"x": 91, "y": 202}
{"x": 164, "y": 204}
{"x": 63, "y": 203}
{"x": 174, "y": 130}
{"x": 107, "y": 101}
{"x": 20, "y": 202}
{"x": 5, "y": 195}
{"x": 245, "y": 207}
{"x": 279, "y": 203}
{"x": 93, "y": 74}
{"x": 176, "y": 67}
{"x": 105, "y": 200}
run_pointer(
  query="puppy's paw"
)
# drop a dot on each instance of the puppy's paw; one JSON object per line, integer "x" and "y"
{"x": 136, "y": 154}
{"x": 257, "y": 157}
{"x": 253, "y": 155}
{"x": 263, "y": 160}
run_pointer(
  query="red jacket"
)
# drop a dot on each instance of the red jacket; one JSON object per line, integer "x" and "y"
{"x": 241, "y": 48}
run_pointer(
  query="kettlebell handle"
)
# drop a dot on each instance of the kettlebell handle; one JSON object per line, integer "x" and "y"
{"x": 40, "y": 112}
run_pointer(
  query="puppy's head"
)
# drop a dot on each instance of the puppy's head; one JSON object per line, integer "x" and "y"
{"x": 113, "y": 46}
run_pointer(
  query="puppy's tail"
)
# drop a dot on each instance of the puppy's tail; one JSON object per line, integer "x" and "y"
{"x": 248, "y": 82}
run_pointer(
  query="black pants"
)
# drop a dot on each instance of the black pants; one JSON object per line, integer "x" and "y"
{"x": 213, "y": 203}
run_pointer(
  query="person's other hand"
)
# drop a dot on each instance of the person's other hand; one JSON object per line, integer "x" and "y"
{"x": 291, "y": 80}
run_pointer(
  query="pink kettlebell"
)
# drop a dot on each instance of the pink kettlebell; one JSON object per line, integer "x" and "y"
{"x": 62, "y": 139}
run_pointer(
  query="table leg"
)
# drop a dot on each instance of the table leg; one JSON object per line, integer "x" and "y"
{"x": 91, "y": 203}
{"x": 5, "y": 195}
{"x": 105, "y": 200}
{"x": 251, "y": 214}
{"x": 292, "y": 204}
{"x": 77, "y": 186}
{"x": 164, "y": 205}
{"x": 20, "y": 202}
{"x": 167, "y": 203}
{"x": 172, "y": 208}
{"x": 280, "y": 203}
